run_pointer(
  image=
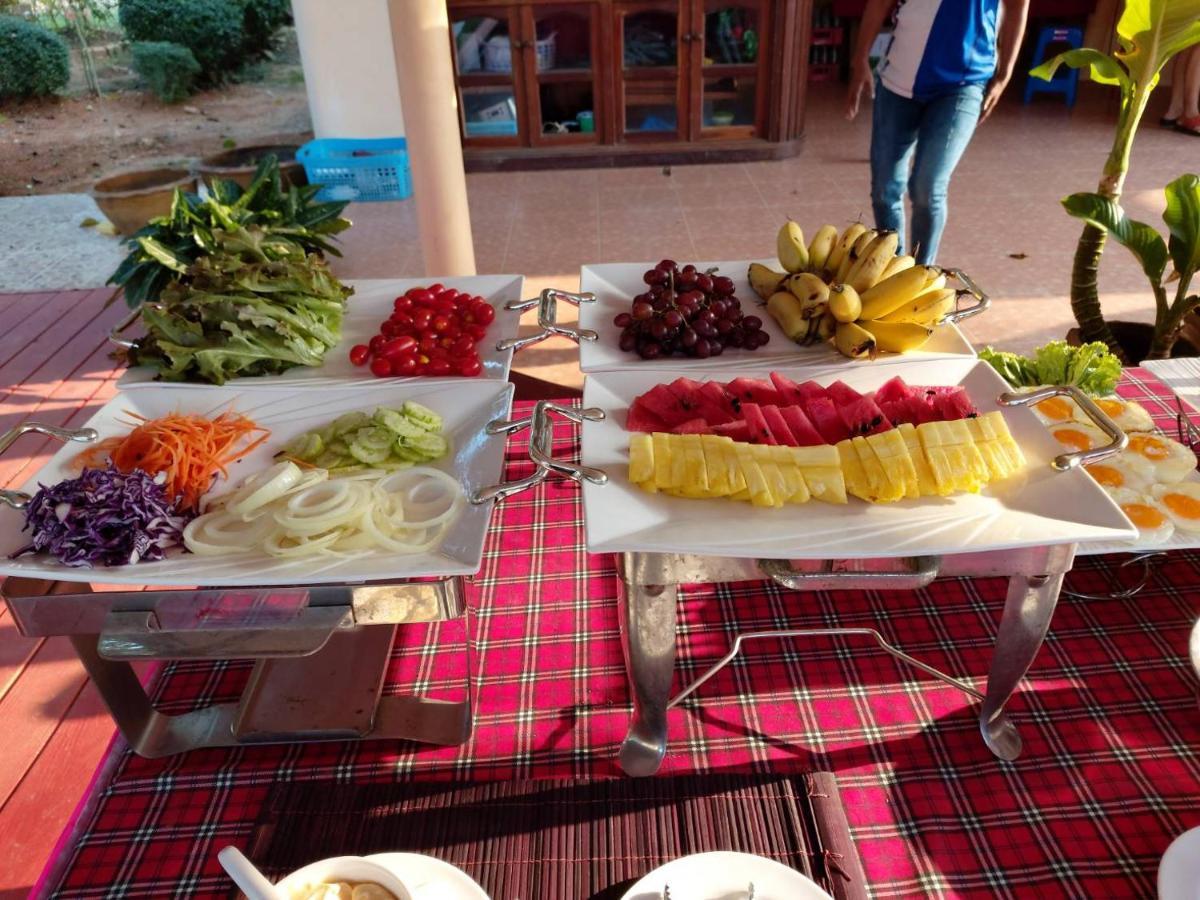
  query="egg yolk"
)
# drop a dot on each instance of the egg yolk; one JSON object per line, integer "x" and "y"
{"x": 1144, "y": 516}
{"x": 1107, "y": 476}
{"x": 1182, "y": 505}
{"x": 1149, "y": 447}
{"x": 1111, "y": 407}
{"x": 1076, "y": 440}
{"x": 1055, "y": 408}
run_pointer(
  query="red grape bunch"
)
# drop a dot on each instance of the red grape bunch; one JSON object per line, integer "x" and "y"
{"x": 689, "y": 312}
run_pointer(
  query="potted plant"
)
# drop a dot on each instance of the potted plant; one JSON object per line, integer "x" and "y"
{"x": 1149, "y": 33}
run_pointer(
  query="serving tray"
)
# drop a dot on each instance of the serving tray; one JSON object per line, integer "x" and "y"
{"x": 615, "y": 284}
{"x": 475, "y": 459}
{"x": 1038, "y": 507}
{"x": 366, "y": 310}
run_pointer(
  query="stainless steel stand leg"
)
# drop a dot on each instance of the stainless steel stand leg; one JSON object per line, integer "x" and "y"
{"x": 647, "y": 614}
{"x": 1023, "y": 626}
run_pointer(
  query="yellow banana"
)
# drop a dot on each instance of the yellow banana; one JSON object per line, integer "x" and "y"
{"x": 894, "y": 292}
{"x": 853, "y": 341}
{"x": 854, "y": 254}
{"x": 810, "y": 290}
{"x": 790, "y": 247}
{"x": 826, "y": 327}
{"x": 844, "y": 302}
{"x": 896, "y": 337}
{"x": 869, "y": 268}
{"x": 821, "y": 246}
{"x": 935, "y": 280}
{"x": 764, "y": 280}
{"x": 926, "y": 308}
{"x": 898, "y": 264}
{"x": 842, "y": 247}
{"x": 785, "y": 309}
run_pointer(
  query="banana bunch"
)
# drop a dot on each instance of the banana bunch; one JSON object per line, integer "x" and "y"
{"x": 853, "y": 290}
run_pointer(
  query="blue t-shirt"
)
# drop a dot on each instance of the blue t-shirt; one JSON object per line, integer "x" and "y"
{"x": 940, "y": 45}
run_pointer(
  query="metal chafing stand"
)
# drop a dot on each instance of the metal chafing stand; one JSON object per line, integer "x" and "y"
{"x": 320, "y": 652}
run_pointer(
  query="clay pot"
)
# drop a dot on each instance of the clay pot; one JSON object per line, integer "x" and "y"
{"x": 1135, "y": 338}
{"x": 131, "y": 199}
{"x": 240, "y": 164}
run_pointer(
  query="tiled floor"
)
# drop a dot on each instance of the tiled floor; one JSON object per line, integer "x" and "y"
{"x": 1004, "y": 200}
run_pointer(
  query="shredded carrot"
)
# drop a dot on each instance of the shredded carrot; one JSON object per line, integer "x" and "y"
{"x": 191, "y": 450}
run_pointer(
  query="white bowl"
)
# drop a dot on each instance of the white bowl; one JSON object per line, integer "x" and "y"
{"x": 353, "y": 869}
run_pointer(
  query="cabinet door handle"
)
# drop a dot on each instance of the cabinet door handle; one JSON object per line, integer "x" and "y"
{"x": 685, "y": 37}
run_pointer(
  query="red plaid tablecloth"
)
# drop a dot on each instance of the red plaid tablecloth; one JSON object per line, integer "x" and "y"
{"x": 1109, "y": 776}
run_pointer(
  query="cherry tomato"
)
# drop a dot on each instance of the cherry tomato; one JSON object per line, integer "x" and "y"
{"x": 440, "y": 324}
{"x": 403, "y": 304}
{"x": 359, "y": 354}
{"x": 478, "y": 332}
{"x": 436, "y": 288}
{"x": 463, "y": 346}
{"x": 470, "y": 367}
{"x": 421, "y": 319}
{"x": 427, "y": 344}
{"x": 413, "y": 292}
{"x": 439, "y": 353}
{"x": 388, "y": 328}
{"x": 405, "y": 365}
{"x": 381, "y": 368}
{"x": 404, "y": 343}
{"x": 375, "y": 343}
{"x": 440, "y": 367}
{"x": 484, "y": 313}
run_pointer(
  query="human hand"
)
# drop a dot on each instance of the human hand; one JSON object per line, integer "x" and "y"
{"x": 861, "y": 78}
{"x": 992, "y": 96}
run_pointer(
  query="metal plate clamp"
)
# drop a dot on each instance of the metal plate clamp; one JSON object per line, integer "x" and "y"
{"x": 547, "y": 319}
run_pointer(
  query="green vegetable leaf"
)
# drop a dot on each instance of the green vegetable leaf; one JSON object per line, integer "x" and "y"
{"x": 1182, "y": 216}
{"x": 162, "y": 254}
{"x": 1103, "y": 68}
{"x": 1150, "y": 32}
{"x": 1139, "y": 238}
{"x": 1017, "y": 370}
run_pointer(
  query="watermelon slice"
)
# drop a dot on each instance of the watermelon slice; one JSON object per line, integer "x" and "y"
{"x": 641, "y": 419}
{"x": 810, "y": 390}
{"x": 789, "y": 391}
{"x": 919, "y": 411}
{"x": 686, "y": 390}
{"x": 693, "y": 396}
{"x": 893, "y": 389}
{"x": 802, "y": 429}
{"x": 779, "y": 428}
{"x": 897, "y": 410}
{"x": 737, "y": 430}
{"x": 825, "y": 418}
{"x": 752, "y": 390}
{"x": 692, "y": 426}
{"x": 863, "y": 417}
{"x": 953, "y": 403}
{"x": 716, "y": 394}
{"x": 664, "y": 404}
{"x": 842, "y": 394}
{"x": 760, "y": 432}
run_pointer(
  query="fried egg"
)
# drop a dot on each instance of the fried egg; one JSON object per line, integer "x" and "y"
{"x": 1147, "y": 514}
{"x": 1075, "y": 436}
{"x": 1128, "y": 416}
{"x": 1055, "y": 410}
{"x": 1123, "y": 471}
{"x": 1181, "y": 502}
{"x": 1170, "y": 459}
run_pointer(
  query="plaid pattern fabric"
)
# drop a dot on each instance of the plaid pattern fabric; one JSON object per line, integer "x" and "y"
{"x": 1108, "y": 713}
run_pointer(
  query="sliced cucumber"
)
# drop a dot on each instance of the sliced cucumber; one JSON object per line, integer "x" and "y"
{"x": 306, "y": 447}
{"x": 423, "y": 416}
{"x": 370, "y": 455}
{"x": 399, "y": 423}
{"x": 387, "y": 439}
{"x": 351, "y": 421}
{"x": 429, "y": 446}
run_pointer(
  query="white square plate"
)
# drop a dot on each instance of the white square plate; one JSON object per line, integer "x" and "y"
{"x": 1037, "y": 507}
{"x": 616, "y": 284}
{"x": 476, "y": 460}
{"x": 366, "y": 310}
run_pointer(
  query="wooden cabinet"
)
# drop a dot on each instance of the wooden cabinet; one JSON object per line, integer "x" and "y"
{"x": 571, "y": 79}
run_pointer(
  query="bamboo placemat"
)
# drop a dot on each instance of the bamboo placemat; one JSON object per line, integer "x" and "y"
{"x": 563, "y": 839}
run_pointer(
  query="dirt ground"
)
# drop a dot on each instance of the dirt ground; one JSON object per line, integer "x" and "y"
{"x": 64, "y": 144}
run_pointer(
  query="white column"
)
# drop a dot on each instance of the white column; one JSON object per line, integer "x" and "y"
{"x": 346, "y": 51}
{"x": 424, "y": 69}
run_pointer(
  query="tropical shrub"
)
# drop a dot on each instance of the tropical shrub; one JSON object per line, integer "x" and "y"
{"x": 211, "y": 29}
{"x": 261, "y": 19}
{"x": 169, "y": 70}
{"x": 34, "y": 62}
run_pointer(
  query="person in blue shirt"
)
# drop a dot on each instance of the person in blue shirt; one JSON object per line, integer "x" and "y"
{"x": 948, "y": 64}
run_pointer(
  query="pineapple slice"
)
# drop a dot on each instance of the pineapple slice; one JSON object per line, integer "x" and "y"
{"x": 820, "y": 456}
{"x": 756, "y": 482}
{"x": 825, "y": 483}
{"x": 737, "y": 478}
{"x": 960, "y": 433}
{"x": 797, "y": 489}
{"x": 716, "y": 464}
{"x": 641, "y": 459}
{"x": 1000, "y": 433}
{"x": 892, "y": 453}
{"x": 881, "y": 487}
{"x": 680, "y": 481}
{"x": 940, "y": 464}
{"x": 780, "y": 489}
{"x": 696, "y": 484}
{"x": 852, "y": 471}
{"x": 663, "y": 463}
{"x": 926, "y": 485}
{"x": 991, "y": 451}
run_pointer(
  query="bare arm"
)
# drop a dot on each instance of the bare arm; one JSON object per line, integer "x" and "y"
{"x": 1013, "y": 14}
{"x": 860, "y": 64}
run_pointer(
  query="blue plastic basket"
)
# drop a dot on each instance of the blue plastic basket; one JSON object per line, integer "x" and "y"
{"x": 358, "y": 168}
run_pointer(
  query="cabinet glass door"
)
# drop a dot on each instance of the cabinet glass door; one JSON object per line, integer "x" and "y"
{"x": 730, "y": 58}
{"x": 489, "y": 75}
{"x": 562, "y": 64}
{"x": 652, "y": 60}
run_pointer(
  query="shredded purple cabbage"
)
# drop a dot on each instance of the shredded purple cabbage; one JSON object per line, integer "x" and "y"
{"x": 104, "y": 517}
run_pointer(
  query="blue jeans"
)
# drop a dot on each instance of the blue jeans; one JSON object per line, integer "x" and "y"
{"x": 937, "y": 131}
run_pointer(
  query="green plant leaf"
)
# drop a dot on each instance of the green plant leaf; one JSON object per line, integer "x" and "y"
{"x": 1104, "y": 68}
{"x": 1150, "y": 32}
{"x": 161, "y": 253}
{"x": 1182, "y": 216}
{"x": 1139, "y": 238}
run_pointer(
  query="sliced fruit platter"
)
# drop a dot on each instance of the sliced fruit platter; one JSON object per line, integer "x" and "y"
{"x": 716, "y": 315}
{"x": 255, "y": 487}
{"x": 910, "y": 459}
{"x": 391, "y": 329}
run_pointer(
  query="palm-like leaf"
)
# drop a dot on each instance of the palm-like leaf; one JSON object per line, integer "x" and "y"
{"x": 1139, "y": 238}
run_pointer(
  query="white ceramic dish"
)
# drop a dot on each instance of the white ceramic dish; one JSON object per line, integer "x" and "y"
{"x": 475, "y": 459}
{"x": 366, "y": 310}
{"x": 428, "y": 878}
{"x": 1179, "y": 871}
{"x": 1038, "y": 507}
{"x": 351, "y": 869}
{"x": 724, "y": 875}
{"x": 615, "y": 284}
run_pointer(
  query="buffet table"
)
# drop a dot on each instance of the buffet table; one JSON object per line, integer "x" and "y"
{"x": 1108, "y": 711}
